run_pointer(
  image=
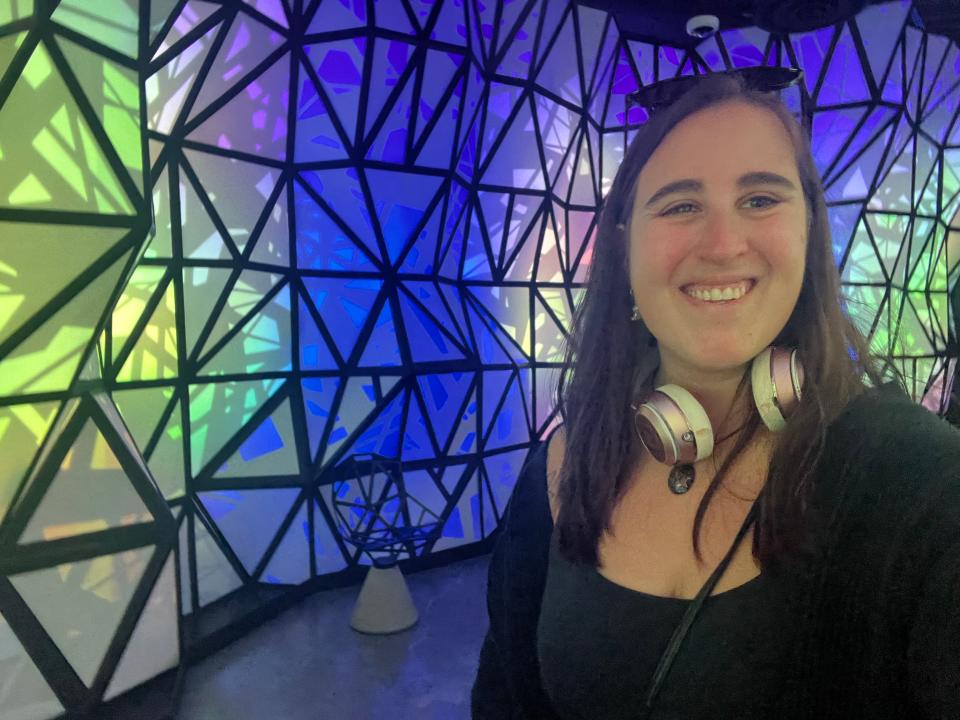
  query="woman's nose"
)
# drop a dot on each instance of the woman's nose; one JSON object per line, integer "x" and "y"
{"x": 724, "y": 236}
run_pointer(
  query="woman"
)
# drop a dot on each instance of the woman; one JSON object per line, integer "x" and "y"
{"x": 809, "y": 571}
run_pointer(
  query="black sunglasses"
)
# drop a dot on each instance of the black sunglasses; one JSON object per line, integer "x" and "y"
{"x": 659, "y": 95}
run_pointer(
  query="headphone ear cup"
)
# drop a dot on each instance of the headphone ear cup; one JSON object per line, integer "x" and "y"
{"x": 776, "y": 377}
{"x": 674, "y": 427}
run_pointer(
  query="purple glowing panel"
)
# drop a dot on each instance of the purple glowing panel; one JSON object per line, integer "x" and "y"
{"x": 338, "y": 68}
{"x": 389, "y": 66}
{"x": 255, "y": 120}
{"x": 844, "y": 81}
{"x": 334, "y": 15}
{"x": 811, "y": 51}
{"x": 248, "y": 43}
{"x": 882, "y": 24}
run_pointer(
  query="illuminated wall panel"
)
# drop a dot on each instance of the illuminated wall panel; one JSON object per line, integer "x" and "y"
{"x": 373, "y": 222}
{"x": 88, "y": 594}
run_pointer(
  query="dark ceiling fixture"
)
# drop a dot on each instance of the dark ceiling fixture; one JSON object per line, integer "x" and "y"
{"x": 791, "y": 16}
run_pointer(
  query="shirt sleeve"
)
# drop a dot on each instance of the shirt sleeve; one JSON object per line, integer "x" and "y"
{"x": 491, "y": 696}
{"x": 507, "y": 684}
{"x": 934, "y": 644}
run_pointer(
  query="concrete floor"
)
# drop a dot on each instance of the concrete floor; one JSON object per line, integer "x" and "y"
{"x": 308, "y": 664}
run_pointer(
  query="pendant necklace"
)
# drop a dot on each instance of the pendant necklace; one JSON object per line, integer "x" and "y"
{"x": 682, "y": 476}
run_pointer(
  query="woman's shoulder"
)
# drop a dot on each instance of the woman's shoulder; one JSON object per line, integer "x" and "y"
{"x": 902, "y": 451}
{"x": 890, "y": 422}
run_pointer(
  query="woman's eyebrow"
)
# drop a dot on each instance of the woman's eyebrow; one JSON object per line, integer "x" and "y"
{"x": 748, "y": 180}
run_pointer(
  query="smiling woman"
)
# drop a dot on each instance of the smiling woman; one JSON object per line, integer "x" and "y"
{"x": 718, "y": 529}
{"x": 735, "y": 222}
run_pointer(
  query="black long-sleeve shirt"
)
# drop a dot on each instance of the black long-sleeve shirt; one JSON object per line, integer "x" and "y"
{"x": 869, "y": 615}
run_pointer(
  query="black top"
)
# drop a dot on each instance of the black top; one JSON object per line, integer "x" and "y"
{"x": 599, "y": 644}
{"x": 870, "y": 625}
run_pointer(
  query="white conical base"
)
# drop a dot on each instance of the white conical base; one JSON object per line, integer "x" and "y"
{"x": 384, "y": 605}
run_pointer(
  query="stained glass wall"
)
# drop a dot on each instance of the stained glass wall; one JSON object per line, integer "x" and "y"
{"x": 371, "y": 221}
{"x": 88, "y": 584}
{"x": 374, "y": 218}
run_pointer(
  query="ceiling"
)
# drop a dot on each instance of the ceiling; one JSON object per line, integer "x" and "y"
{"x": 665, "y": 22}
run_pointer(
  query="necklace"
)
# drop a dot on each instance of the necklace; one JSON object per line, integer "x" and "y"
{"x": 682, "y": 476}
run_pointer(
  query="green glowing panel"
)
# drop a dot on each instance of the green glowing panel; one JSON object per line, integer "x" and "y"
{"x": 248, "y": 290}
{"x": 159, "y": 12}
{"x": 22, "y": 429}
{"x": 862, "y": 263}
{"x": 863, "y": 303}
{"x": 81, "y": 604}
{"x": 154, "y": 645}
{"x": 154, "y": 354}
{"x": 166, "y": 460}
{"x": 161, "y": 244}
{"x": 215, "y": 575}
{"x": 219, "y": 410}
{"x": 49, "y": 358}
{"x": 201, "y": 289}
{"x": 28, "y": 280}
{"x": 132, "y": 304}
{"x": 50, "y": 157}
{"x": 549, "y": 336}
{"x": 11, "y": 10}
{"x": 24, "y": 693}
{"x": 114, "y": 93}
{"x": 113, "y": 23}
{"x": 8, "y": 47}
{"x": 90, "y": 493}
{"x": 141, "y": 410}
{"x": 262, "y": 343}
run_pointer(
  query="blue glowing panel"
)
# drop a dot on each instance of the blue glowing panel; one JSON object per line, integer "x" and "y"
{"x": 319, "y": 395}
{"x": 290, "y": 562}
{"x": 400, "y": 200}
{"x": 323, "y": 243}
{"x": 249, "y": 519}
{"x": 344, "y": 304}
{"x": 382, "y": 435}
{"x": 417, "y": 443}
{"x": 382, "y": 349}
{"x": 341, "y": 190}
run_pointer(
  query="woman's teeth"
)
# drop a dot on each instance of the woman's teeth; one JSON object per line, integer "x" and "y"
{"x": 731, "y": 292}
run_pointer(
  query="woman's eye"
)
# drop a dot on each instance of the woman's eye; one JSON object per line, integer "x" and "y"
{"x": 767, "y": 202}
{"x": 675, "y": 209}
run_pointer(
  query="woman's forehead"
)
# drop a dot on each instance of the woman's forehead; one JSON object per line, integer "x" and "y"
{"x": 722, "y": 141}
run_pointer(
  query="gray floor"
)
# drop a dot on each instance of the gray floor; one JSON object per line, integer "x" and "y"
{"x": 309, "y": 664}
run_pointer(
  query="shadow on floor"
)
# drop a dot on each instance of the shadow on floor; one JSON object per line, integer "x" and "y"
{"x": 308, "y": 664}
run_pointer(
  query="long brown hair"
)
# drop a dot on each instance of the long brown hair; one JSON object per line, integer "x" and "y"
{"x": 610, "y": 360}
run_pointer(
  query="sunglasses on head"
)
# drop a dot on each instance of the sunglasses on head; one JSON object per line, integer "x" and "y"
{"x": 763, "y": 78}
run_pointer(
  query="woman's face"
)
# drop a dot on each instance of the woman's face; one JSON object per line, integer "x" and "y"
{"x": 719, "y": 210}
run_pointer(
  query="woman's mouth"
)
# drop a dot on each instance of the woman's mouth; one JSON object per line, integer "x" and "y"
{"x": 727, "y": 294}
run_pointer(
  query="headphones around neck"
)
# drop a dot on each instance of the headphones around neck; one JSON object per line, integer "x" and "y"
{"x": 675, "y": 429}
